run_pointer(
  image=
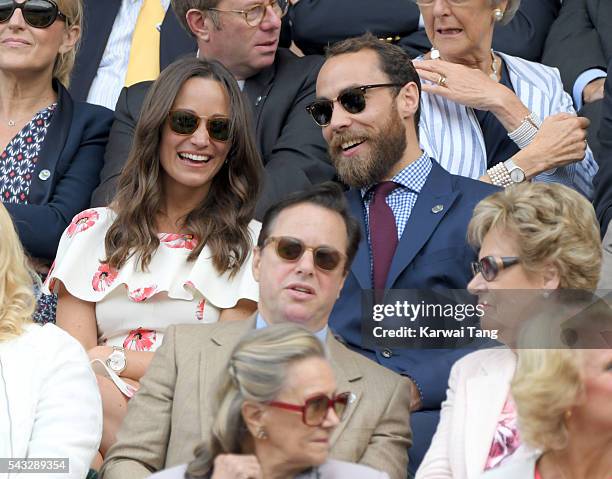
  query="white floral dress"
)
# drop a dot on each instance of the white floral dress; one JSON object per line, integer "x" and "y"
{"x": 134, "y": 307}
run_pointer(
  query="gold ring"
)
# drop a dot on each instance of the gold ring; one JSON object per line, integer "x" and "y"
{"x": 442, "y": 80}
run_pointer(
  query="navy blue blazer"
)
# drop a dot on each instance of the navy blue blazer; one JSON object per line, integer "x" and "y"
{"x": 67, "y": 171}
{"x": 98, "y": 20}
{"x": 602, "y": 182}
{"x": 431, "y": 254}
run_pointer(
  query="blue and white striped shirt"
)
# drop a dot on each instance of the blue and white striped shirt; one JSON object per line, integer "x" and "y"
{"x": 110, "y": 78}
{"x": 451, "y": 134}
{"x": 403, "y": 198}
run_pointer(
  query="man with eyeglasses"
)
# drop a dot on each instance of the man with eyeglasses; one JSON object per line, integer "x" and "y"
{"x": 303, "y": 254}
{"x": 413, "y": 212}
{"x": 243, "y": 35}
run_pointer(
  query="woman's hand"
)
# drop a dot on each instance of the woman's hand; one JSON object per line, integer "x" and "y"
{"x": 560, "y": 141}
{"x": 236, "y": 466}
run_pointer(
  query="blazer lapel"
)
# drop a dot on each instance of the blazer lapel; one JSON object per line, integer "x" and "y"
{"x": 50, "y": 152}
{"x": 361, "y": 264}
{"x": 434, "y": 202}
{"x": 213, "y": 357}
{"x": 347, "y": 379}
{"x": 257, "y": 89}
{"x": 493, "y": 383}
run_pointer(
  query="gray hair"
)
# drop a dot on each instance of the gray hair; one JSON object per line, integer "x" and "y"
{"x": 181, "y": 7}
{"x": 257, "y": 371}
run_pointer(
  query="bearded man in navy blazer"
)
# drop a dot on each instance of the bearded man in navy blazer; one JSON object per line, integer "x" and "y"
{"x": 367, "y": 102}
{"x": 277, "y": 83}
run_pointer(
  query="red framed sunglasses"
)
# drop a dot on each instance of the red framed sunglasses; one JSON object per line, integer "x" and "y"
{"x": 314, "y": 410}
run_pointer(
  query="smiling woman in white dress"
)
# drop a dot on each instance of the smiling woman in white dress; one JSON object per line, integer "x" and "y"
{"x": 175, "y": 245}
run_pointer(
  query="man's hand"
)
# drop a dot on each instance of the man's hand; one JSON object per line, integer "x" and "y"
{"x": 415, "y": 396}
{"x": 593, "y": 91}
{"x": 236, "y": 466}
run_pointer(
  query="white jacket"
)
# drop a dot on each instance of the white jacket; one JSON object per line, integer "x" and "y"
{"x": 54, "y": 408}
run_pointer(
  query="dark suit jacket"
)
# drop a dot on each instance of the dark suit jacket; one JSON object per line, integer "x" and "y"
{"x": 580, "y": 39}
{"x": 315, "y": 23}
{"x": 73, "y": 153}
{"x": 291, "y": 144}
{"x": 603, "y": 180}
{"x": 97, "y": 25}
{"x": 432, "y": 254}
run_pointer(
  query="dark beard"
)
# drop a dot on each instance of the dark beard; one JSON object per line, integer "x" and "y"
{"x": 385, "y": 151}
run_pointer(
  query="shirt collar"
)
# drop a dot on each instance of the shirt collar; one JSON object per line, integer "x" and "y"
{"x": 321, "y": 334}
{"x": 413, "y": 176}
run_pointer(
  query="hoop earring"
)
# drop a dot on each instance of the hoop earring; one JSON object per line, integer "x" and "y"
{"x": 498, "y": 14}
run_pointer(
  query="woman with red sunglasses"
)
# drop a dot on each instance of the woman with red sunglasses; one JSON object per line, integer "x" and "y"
{"x": 536, "y": 241}
{"x": 174, "y": 247}
{"x": 276, "y": 414}
{"x": 51, "y": 147}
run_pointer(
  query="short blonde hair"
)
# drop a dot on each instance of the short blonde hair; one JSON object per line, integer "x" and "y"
{"x": 551, "y": 224}
{"x": 547, "y": 383}
{"x": 64, "y": 63}
{"x": 17, "y": 301}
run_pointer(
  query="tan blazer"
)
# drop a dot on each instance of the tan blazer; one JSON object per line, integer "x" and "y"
{"x": 329, "y": 470}
{"x": 174, "y": 409}
{"x": 478, "y": 387}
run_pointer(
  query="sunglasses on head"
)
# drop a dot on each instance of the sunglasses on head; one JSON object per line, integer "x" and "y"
{"x": 314, "y": 410}
{"x": 185, "y": 122}
{"x": 292, "y": 249}
{"x": 36, "y": 13}
{"x": 352, "y": 100}
{"x": 490, "y": 266}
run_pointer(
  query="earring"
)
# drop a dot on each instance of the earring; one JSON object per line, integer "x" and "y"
{"x": 261, "y": 433}
{"x": 568, "y": 414}
{"x": 498, "y": 14}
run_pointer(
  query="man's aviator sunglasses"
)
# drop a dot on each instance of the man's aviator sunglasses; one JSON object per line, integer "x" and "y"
{"x": 185, "y": 122}
{"x": 352, "y": 99}
{"x": 36, "y": 13}
{"x": 292, "y": 249}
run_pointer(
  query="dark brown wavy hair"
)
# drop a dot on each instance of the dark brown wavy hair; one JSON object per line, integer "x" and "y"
{"x": 221, "y": 220}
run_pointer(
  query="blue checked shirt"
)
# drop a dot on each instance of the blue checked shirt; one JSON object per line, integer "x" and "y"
{"x": 402, "y": 199}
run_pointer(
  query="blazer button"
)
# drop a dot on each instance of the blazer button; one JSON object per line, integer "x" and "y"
{"x": 387, "y": 353}
{"x": 437, "y": 209}
{"x": 44, "y": 175}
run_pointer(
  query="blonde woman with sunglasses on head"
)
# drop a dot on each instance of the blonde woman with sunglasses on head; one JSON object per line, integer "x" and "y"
{"x": 277, "y": 413}
{"x": 175, "y": 245}
{"x": 49, "y": 401}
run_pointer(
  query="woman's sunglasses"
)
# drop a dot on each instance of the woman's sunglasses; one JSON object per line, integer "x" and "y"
{"x": 314, "y": 410}
{"x": 184, "y": 122}
{"x": 352, "y": 100}
{"x": 490, "y": 266}
{"x": 292, "y": 249}
{"x": 36, "y": 13}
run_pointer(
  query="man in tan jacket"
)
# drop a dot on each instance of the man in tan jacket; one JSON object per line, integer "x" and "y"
{"x": 304, "y": 251}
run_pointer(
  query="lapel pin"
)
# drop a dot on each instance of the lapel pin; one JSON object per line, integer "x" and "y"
{"x": 437, "y": 209}
{"x": 44, "y": 175}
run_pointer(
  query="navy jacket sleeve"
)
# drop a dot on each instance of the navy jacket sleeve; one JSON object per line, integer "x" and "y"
{"x": 74, "y": 176}
{"x": 603, "y": 180}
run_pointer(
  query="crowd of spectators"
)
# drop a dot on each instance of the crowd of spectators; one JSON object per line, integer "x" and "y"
{"x": 203, "y": 201}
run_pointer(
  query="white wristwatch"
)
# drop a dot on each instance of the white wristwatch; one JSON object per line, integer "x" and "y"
{"x": 517, "y": 175}
{"x": 117, "y": 361}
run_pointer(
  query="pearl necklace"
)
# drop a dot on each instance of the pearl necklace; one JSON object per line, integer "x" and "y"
{"x": 495, "y": 62}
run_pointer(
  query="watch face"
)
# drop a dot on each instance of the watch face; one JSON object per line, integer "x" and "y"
{"x": 116, "y": 362}
{"x": 517, "y": 175}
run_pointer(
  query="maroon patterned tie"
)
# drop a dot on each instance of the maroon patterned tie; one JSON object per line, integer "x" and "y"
{"x": 383, "y": 232}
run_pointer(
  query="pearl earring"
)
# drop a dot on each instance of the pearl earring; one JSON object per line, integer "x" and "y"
{"x": 498, "y": 14}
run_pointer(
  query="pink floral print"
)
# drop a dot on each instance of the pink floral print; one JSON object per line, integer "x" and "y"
{"x": 140, "y": 340}
{"x": 142, "y": 294}
{"x": 84, "y": 220}
{"x": 200, "y": 310}
{"x": 103, "y": 278}
{"x": 506, "y": 439}
{"x": 172, "y": 240}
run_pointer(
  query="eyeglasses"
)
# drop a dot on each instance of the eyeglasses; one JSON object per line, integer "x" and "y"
{"x": 428, "y": 3}
{"x": 36, "y": 13}
{"x": 352, "y": 100}
{"x": 314, "y": 410}
{"x": 185, "y": 122}
{"x": 255, "y": 15}
{"x": 490, "y": 266}
{"x": 292, "y": 249}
